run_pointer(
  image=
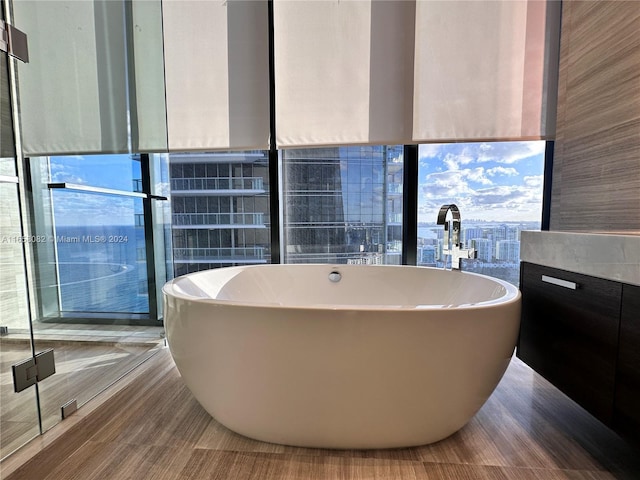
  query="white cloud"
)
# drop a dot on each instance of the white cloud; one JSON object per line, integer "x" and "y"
{"x": 477, "y": 175}
{"x": 534, "y": 181}
{"x": 463, "y": 175}
{"x": 61, "y": 172}
{"x": 492, "y": 202}
{"x": 510, "y": 152}
{"x": 74, "y": 209}
{"x": 451, "y": 161}
{"x": 508, "y": 171}
{"x": 466, "y": 153}
{"x": 430, "y": 150}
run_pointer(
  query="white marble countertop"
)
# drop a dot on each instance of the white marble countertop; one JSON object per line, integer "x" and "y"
{"x": 614, "y": 256}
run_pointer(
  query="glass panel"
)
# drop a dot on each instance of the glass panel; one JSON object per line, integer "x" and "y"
{"x": 7, "y": 147}
{"x": 343, "y": 205}
{"x": 92, "y": 258}
{"x": 220, "y": 210}
{"x": 91, "y": 275}
{"x": 498, "y": 189}
{"x": 117, "y": 172}
{"x": 161, "y": 210}
{"x": 18, "y": 413}
{"x": 101, "y": 253}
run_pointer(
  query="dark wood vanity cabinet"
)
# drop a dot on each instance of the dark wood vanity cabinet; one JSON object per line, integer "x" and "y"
{"x": 582, "y": 333}
{"x": 569, "y": 334}
{"x": 626, "y": 414}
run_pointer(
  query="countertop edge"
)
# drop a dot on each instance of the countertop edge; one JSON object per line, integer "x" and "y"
{"x": 612, "y": 256}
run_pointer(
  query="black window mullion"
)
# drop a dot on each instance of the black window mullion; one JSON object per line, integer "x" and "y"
{"x": 274, "y": 180}
{"x": 410, "y": 206}
{"x": 148, "y": 236}
{"x": 546, "y": 188}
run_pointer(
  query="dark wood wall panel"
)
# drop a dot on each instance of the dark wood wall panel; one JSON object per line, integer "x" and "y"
{"x": 596, "y": 175}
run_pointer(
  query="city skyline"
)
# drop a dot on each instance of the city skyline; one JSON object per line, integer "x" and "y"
{"x": 493, "y": 182}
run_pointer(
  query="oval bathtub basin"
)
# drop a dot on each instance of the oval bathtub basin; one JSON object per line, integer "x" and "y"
{"x": 347, "y": 356}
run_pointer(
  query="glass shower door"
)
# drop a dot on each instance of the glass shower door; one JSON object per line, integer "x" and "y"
{"x": 19, "y": 421}
{"x": 94, "y": 306}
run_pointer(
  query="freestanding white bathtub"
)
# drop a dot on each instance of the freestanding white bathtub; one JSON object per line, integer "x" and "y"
{"x": 348, "y": 356}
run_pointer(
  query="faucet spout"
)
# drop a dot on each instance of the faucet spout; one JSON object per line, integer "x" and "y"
{"x": 452, "y": 246}
{"x": 442, "y": 220}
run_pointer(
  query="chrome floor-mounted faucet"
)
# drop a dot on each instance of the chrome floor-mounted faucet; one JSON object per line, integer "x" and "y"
{"x": 452, "y": 246}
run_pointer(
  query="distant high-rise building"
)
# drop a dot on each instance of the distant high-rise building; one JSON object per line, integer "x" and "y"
{"x": 499, "y": 233}
{"x": 220, "y": 210}
{"x": 484, "y": 249}
{"x": 513, "y": 232}
{"x": 340, "y": 205}
{"x": 427, "y": 255}
{"x": 508, "y": 251}
{"x": 472, "y": 233}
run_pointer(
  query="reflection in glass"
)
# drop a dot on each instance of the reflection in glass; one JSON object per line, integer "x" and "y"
{"x": 101, "y": 253}
{"x": 161, "y": 214}
{"x": 91, "y": 246}
{"x": 117, "y": 172}
{"x": 343, "y": 205}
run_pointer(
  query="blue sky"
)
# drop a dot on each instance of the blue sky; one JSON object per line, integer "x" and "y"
{"x": 106, "y": 171}
{"x": 488, "y": 181}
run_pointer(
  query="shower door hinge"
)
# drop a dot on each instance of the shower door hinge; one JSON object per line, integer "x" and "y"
{"x": 13, "y": 42}
{"x": 32, "y": 370}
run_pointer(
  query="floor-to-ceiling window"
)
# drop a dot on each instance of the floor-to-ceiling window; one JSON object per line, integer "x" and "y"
{"x": 93, "y": 248}
{"x": 97, "y": 234}
{"x": 498, "y": 188}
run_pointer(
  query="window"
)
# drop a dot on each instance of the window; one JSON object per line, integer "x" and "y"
{"x": 220, "y": 209}
{"x": 91, "y": 225}
{"x": 497, "y": 187}
{"x": 99, "y": 229}
{"x": 343, "y": 205}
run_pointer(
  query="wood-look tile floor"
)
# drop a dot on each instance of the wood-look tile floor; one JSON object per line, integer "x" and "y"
{"x": 88, "y": 359}
{"x": 155, "y": 429}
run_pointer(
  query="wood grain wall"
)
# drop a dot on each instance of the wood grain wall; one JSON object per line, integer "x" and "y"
{"x": 596, "y": 174}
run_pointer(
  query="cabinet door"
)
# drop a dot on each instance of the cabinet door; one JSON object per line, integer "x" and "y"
{"x": 627, "y": 401}
{"x": 570, "y": 335}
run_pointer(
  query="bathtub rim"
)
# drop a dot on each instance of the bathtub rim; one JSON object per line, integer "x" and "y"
{"x": 512, "y": 293}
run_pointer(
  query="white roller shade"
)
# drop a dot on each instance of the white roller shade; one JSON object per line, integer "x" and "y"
{"x": 148, "y": 115}
{"x": 346, "y": 72}
{"x": 7, "y": 147}
{"x": 484, "y": 71}
{"x": 72, "y": 93}
{"x": 343, "y": 72}
{"x": 217, "y": 74}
